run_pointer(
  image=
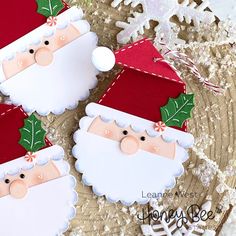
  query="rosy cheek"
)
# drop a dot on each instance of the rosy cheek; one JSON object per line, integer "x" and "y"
{"x": 61, "y": 40}
{"x": 37, "y": 178}
{"x": 107, "y": 133}
{"x": 23, "y": 62}
{"x": 4, "y": 189}
{"x": 154, "y": 149}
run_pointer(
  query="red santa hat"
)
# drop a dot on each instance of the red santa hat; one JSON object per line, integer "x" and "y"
{"x": 13, "y": 156}
{"x": 140, "y": 90}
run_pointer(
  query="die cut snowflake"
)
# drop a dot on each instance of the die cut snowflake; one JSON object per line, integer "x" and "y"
{"x": 162, "y": 11}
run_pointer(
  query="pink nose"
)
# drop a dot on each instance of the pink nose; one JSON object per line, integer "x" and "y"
{"x": 43, "y": 56}
{"x": 129, "y": 145}
{"x": 18, "y": 189}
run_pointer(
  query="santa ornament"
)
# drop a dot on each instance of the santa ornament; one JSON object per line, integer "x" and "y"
{"x": 137, "y": 130}
{"x": 46, "y": 60}
{"x": 37, "y": 193}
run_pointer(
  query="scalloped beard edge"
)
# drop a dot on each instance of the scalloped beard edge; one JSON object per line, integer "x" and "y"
{"x": 123, "y": 177}
{"x": 51, "y": 88}
{"x": 45, "y": 210}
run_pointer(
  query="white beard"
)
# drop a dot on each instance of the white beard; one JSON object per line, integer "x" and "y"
{"x": 124, "y": 177}
{"x": 58, "y": 86}
{"x": 45, "y": 211}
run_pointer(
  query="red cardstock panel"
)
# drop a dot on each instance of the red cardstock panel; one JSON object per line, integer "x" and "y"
{"x": 136, "y": 90}
{"x": 140, "y": 56}
{"x": 18, "y": 18}
{"x": 11, "y": 120}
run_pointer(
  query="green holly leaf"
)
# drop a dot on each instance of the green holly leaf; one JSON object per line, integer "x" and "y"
{"x": 178, "y": 110}
{"x": 32, "y": 134}
{"x": 49, "y": 7}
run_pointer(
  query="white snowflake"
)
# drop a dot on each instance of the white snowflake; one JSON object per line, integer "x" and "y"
{"x": 224, "y": 10}
{"x": 229, "y": 227}
{"x": 162, "y": 11}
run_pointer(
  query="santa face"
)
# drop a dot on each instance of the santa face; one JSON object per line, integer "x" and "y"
{"x": 54, "y": 75}
{"x": 18, "y": 185}
{"x": 126, "y": 165}
{"x": 130, "y": 142}
{"x": 33, "y": 200}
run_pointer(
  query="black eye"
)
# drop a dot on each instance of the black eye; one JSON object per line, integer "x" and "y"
{"x": 46, "y": 42}
{"x": 22, "y": 176}
{"x": 7, "y": 181}
{"x": 142, "y": 138}
{"x": 31, "y": 51}
{"x": 125, "y": 132}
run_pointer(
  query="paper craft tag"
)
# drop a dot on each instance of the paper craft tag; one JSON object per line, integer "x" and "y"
{"x": 127, "y": 162}
{"x": 50, "y": 69}
{"x": 37, "y": 193}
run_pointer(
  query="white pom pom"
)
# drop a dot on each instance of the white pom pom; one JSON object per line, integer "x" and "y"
{"x": 103, "y": 58}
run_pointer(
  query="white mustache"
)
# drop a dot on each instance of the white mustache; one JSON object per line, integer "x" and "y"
{"x": 45, "y": 210}
{"x": 123, "y": 177}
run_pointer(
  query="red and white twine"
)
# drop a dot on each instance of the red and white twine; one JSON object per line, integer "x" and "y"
{"x": 188, "y": 62}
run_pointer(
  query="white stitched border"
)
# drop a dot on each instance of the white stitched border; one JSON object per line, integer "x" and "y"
{"x": 131, "y": 67}
{"x": 109, "y": 89}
